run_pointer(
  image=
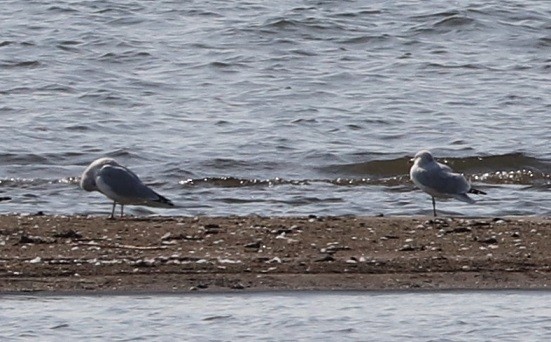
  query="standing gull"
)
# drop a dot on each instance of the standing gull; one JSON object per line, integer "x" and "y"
{"x": 121, "y": 185}
{"x": 438, "y": 180}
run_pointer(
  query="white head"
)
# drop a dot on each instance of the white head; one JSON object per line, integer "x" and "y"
{"x": 88, "y": 178}
{"x": 423, "y": 157}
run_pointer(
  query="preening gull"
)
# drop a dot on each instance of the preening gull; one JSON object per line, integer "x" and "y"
{"x": 438, "y": 180}
{"x": 121, "y": 185}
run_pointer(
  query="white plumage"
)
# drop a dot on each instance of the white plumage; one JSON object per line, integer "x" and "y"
{"x": 120, "y": 185}
{"x": 438, "y": 180}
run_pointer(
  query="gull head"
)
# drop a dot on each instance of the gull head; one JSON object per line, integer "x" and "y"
{"x": 423, "y": 157}
{"x": 88, "y": 178}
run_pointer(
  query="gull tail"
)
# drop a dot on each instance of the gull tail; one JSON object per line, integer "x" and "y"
{"x": 477, "y": 192}
{"x": 161, "y": 202}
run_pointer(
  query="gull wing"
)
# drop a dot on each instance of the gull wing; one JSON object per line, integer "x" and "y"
{"x": 124, "y": 187}
{"x": 442, "y": 180}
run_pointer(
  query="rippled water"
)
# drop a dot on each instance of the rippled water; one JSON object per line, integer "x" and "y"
{"x": 298, "y": 316}
{"x": 278, "y": 107}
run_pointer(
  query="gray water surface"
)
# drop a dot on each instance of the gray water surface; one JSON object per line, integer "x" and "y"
{"x": 276, "y": 108}
{"x": 286, "y": 316}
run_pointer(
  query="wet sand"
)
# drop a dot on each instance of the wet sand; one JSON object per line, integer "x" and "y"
{"x": 72, "y": 254}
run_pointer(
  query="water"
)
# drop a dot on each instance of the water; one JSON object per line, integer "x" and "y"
{"x": 276, "y": 108}
{"x": 298, "y": 316}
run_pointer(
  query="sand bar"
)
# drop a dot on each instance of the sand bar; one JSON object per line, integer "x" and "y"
{"x": 74, "y": 254}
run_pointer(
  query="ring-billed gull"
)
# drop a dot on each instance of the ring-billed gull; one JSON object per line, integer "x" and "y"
{"x": 438, "y": 180}
{"x": 121, "y": 185}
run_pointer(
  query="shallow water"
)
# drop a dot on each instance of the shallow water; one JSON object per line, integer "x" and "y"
{"x": 275, "y": 108}
{"x": 286, "y": 316}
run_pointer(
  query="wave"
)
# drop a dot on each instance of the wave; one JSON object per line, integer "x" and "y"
{"x": 36, "y": 160}
{"x": 513, "y": 168}
{"x": 30, "y": 64}
{"x": 446, "y": 21}
{"x": 397, "y": 166}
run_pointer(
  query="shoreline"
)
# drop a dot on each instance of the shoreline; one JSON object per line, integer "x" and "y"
{"x": 75, "y": 255}
{"x": 281, "y": 292}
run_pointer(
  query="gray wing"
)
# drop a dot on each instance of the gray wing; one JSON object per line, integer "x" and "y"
{"x": 123, "y": 186}
{"x": 444, "y": 167}
{"x": 443, "y": 180}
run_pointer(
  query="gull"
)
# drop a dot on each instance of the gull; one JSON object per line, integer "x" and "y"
{"x": 121, "y": 185}
{"x": 438, "y": 180}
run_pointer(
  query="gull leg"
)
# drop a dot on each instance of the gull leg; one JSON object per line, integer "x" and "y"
{"x": 122, "y": 209}
{"x": 433, "y": 206}
{"x": 113, "y": 210}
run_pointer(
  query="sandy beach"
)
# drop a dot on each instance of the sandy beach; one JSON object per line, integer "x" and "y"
{"x": 73, "y": 254}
